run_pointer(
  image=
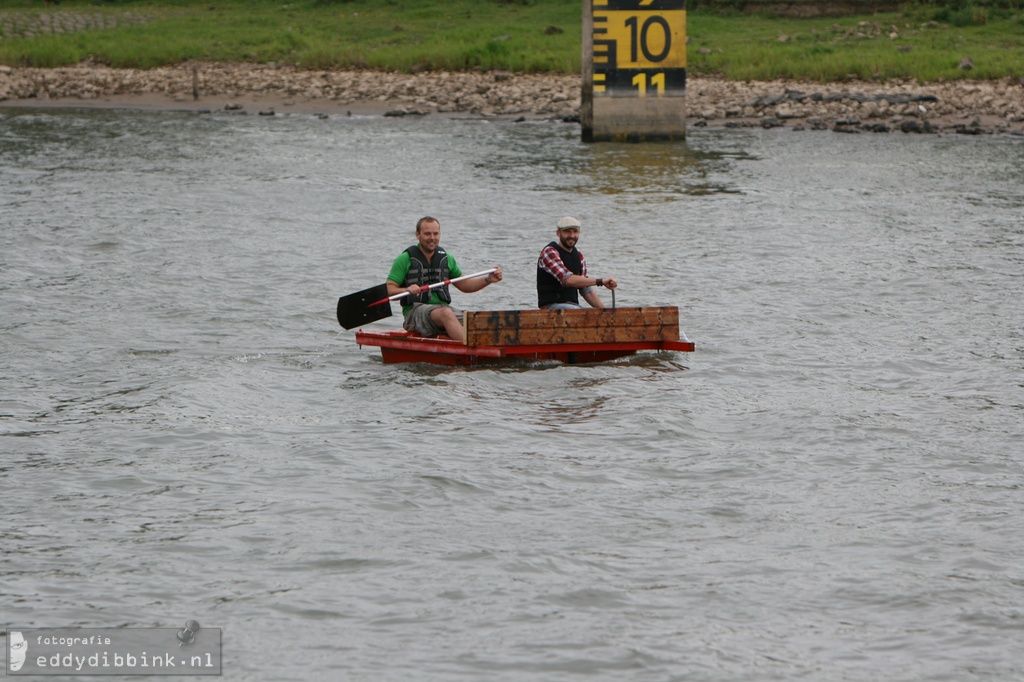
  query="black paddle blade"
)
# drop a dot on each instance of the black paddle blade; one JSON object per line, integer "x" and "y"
{"x": 355, "y": 309}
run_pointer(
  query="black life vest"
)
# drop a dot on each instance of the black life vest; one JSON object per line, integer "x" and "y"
{"x": 549, "y": 289}
{"x": 422, "y": 272}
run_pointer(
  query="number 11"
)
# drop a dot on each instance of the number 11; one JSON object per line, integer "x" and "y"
{"x": 657, "y": 82}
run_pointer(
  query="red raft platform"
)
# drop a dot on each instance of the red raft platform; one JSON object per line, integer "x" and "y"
{"x": 570, "y": 336}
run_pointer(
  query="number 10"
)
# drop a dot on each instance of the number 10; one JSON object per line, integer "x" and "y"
{"x": 639, "y": 38}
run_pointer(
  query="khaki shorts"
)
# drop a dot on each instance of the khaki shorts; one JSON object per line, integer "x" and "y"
{"x": 418, "y": 320}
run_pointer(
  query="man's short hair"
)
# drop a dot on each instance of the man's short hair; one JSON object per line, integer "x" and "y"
{"x": 426, "y": 219}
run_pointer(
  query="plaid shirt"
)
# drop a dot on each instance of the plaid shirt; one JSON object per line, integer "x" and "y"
{"x": 550, "y": 261}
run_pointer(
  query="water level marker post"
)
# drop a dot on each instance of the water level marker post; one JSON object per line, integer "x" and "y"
{"x": 634, "y": 70}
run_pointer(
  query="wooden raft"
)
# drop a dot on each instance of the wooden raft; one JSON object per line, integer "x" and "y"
{"x": 586, "y": 325}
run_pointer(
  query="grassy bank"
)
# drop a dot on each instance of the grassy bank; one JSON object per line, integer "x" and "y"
{"x": 924, "y": 42}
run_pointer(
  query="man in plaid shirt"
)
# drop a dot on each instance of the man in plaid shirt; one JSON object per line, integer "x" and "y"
{"x": 562, "y": 272}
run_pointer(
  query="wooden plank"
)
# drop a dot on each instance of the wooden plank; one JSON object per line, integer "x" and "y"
{"x": 420, "y": 344}
{"x": 586, "y": 325}
{"x": 584, "y": 317}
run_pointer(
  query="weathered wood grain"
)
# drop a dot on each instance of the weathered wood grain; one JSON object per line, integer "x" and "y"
{"x": 587, "y": 325}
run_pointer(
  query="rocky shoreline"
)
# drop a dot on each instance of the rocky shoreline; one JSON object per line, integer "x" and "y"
{"x": 965, "y": 107}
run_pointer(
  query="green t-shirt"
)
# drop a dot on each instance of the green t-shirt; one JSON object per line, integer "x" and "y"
{"x": 400, "y": 269}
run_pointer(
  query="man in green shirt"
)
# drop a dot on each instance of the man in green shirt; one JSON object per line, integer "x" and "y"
{"x": 428, "y": 312}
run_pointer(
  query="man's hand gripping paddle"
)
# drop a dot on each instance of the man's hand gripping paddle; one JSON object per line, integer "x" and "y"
{"x": 370, "y": 305}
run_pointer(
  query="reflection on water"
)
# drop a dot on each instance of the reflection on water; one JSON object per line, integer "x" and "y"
{"x": 660, "y": 172}
{"x": 650, "y": 171}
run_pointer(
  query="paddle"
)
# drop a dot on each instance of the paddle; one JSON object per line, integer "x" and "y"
{"x": 370, "y": 305}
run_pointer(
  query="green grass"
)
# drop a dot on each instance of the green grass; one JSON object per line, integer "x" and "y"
{"x": 887, "y": 46}
{"x": 515, "y": 35}
{"x": 397, "y": 35}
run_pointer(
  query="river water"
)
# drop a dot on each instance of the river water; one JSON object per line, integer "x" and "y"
{"x": 829, "y": 488}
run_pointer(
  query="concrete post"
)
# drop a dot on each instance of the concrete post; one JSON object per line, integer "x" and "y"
{"x": 634, "y": 70}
